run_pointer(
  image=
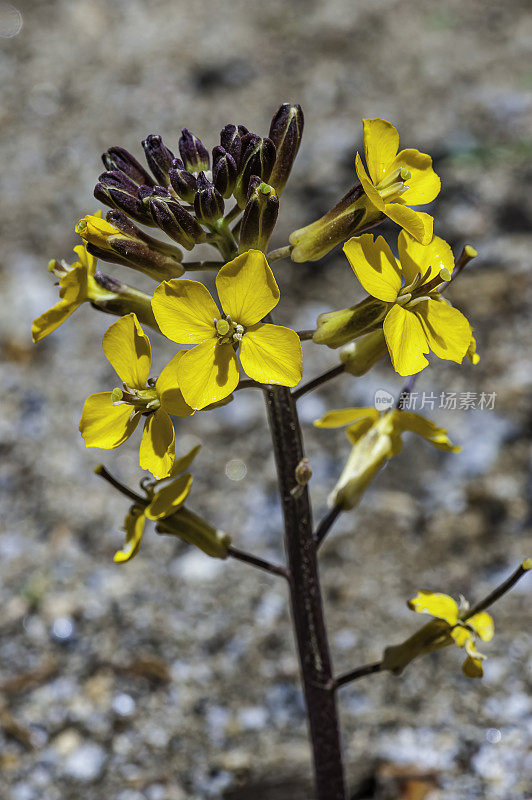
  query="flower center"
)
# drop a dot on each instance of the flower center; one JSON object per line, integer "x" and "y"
{"x": 228, "y": 332}
{"x": 143, "y": 401}
{"x": 393, "y": 185}
{"x": 421, "y": 288}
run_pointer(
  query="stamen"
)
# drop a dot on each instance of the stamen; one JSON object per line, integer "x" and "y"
{"x": 222, "y": 327}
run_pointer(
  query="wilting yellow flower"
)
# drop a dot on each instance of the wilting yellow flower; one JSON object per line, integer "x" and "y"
{"x": 405, "y": 300}
{"x": 109, "y": 418}
{"x": 76, "y": 286}
{"x": 376, "y": 438}
{"x": 165, "y": 505}
{"x": 186, "y": 313}
{"x": 397, "y": 180}
{"x": 462, "y": 629}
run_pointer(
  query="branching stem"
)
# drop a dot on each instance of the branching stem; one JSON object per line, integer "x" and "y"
{"x": 259, "y": 563}
{"x": 315, "y": 382}
{"x": 106, "y": 475}
{"x": 281, "y": 252}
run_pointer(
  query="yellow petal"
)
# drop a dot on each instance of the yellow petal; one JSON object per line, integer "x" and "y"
{"x": 157, "y": 448}
{"x": 207, "y": 373}
{"x": 461, "y": 635}
{"x": 170, "y": 394}
{"x": 417, "y": 258}
{"x": 374, "y": 265}
{"x": 134, "y": 528}
{"x": 406, "y": 341}
{"x": 381, "y": 142}
{"x": 345, "y": 416}
{"x": 437, "y": 604}
{"x": 482, "y": 624}
{"x": 247, "y": 288}
{"x": 128, "y": 349}
{"x": 169, "y": 499}
{"x": 472, "y": 354}
{"x": 417, "y": 223}
{"x": 408, "y": 421}
{"x": 185, "y": 311}
{"x": 183, "y": 463}
{"x": 51, "y": 320}
{"x": 423, "y": 185}
{"x": 371, "y": 193}
{"x": 104, "y": 425}
{"x": 447, "y": 330}
{"x": 86, "y": 259}
{"x": 356, "y": 431}
{"x": 73, "y": 287}
{"x": 472, "y": 667}
{"x": 272, "y": 354}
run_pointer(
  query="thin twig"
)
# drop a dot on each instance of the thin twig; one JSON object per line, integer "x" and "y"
{"x": 106, "y": 475}
{"x": 315, "y": 382}
{"x": 359, "y": 672}
{"x": 281, "y": 252}
{"x": 306, "y": 335}
{"x": 326, "y": 524}
{"x": 500, "y": 590}
{"x": 260, "y": 563}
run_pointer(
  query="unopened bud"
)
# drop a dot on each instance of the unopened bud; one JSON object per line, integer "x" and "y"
{"x": 116, "y": 158}
{"x": 224, "y": 171}
{"x": 194, "y": 154}
{"x": 172, "y": 218}
{"x": 208, "y": 202}
{"x": 183, "y": 183}
{"x": 258, "y": 158}
{"x": 286, "y": 131}
{"x": 336, "y": 328}
{"x": 159, "y": 158}
{"x": 196, "y": 531}
{"x": 117, "y": 190}
{"x": 231, "y": 140}
{"x": 353, "y": 214}
{"x": 360, "y": 356}
{"x": 259, "y": 218}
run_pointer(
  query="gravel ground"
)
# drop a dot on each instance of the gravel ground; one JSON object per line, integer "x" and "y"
{"x": 175, "y": 676}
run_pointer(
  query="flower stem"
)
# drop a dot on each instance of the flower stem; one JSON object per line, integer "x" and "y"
{"x": 359, "y": 672}
{"x": 260, "y": 563}
{"x": 500, "y": 590}
{"x": 106, "y": 475}
{"x": 326, "y": 524}
{"x": 305, "y": 596}
{"x": 315, "y": 382}
{"x": 306, "y": 335}
{"x": 281, "y": 252}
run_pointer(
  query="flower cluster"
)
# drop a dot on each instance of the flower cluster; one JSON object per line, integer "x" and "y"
{"x": 226, "y": 343}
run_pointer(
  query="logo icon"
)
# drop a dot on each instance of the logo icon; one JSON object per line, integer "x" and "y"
{"x": 383, "y": 400}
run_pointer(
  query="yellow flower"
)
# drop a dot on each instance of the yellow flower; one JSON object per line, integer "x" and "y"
{"x": 109, "y": 418}
{"x": 397, "y": 180}
{"x": 376, "y": 438}
{"x": 186, "y": 313}
{"x": 165, "y": 506}
{"x": 462, "y": 629}
{"x": 405, "y": 300}
{"x": 76, "y": 286}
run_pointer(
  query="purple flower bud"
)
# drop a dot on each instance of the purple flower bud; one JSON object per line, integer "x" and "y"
{"x": 286, "y": 131}
{"x": 117, "y": 190}
{"x": 208, "y": 202}
{"x": 224, "y": 171}
{"x": 116, "y": 158}
{"x": 159, "y": 158}
{"x": 260, "y": 216}
{"x": 194, "y": 154}
{"x": 183, "y": 183}
{"x": 258, "y": 158}
{"x": 172, "y": 218}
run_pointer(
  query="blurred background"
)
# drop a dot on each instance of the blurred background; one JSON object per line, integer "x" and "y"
{"x": 175, "y": 676}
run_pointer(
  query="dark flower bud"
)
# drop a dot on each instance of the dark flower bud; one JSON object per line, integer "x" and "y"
{"x": 117, "y": 190}
{"x": 183, "y": 183}
{"x": 231, "y": 140}
{"x": 159, "y": 158}
{"x": 194, "y": 154}
{"x": 208, "y": 202}
{"x": 258, "y": 158}
{"x": 260, "y": 216}
{"x": 286, "y": 131}
{"x": 172, "y": 218}
{"x": 224, "y": 171}
{"x": 116, "y": 158}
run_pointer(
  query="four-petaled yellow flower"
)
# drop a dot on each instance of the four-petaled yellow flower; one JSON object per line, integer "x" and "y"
{"x": 109, "y": 418}
{"x": 416, "y": 318}
{"x": 461, "y": 628}
{"x": 187, "y": 314}
{"x": 397, "y": 180}
{"x": 76, "y": 286}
